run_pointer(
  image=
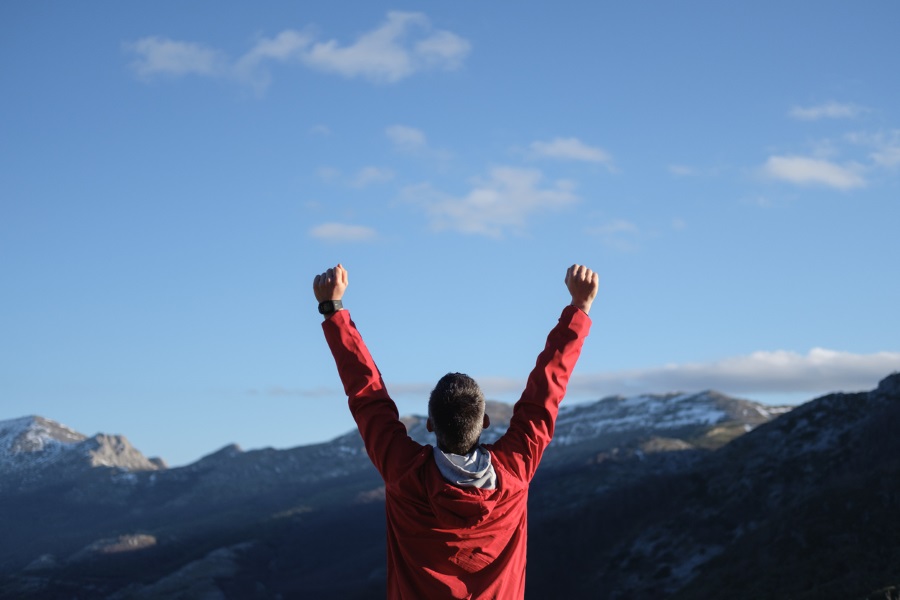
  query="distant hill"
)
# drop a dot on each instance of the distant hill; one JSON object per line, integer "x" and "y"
{"x": 669, "y": 496}
{"x": 35, "y": 451}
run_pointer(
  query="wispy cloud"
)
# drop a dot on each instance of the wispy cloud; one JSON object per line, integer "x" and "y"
{"x": 495, "y": 206}
{"x": 619, "y": 234}
{"x": 884, "y": 145}
{"x": 683, "y": 171}
{"x": 161, "y": 56}
{"x": 829, "y": 110}
{"x": 570, "y": 149}
{"x": 887, "y": 156}
{"x": 406, "y": 138}
{"x": 404, "y": 44}
{"x": 343, "y": 232}
{"x": 382, "y": 55}
{"x": 364, "y": 177}
{"x": 778, "y": 372}
{"x": 369, "y": 175}
{"x": 413, "y": 142}
{"x": 766, "y": 372}
{"x": 803, "y": 170}
{"x": 329, "y": 174}
{"x": 287, "y": 46}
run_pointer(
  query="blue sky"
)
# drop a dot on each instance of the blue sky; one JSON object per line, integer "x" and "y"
{"x": 173, "y": 175}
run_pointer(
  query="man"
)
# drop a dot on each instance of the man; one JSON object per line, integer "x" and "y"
{"x": 456, "y": 514}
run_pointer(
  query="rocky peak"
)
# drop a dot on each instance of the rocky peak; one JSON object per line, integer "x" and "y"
{"x": 33, "y": 441}
{"x": 104, "y": 450}
{"x": 34, "y": 450}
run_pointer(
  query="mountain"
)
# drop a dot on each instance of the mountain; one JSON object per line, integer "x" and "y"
{"x": 804, "y": 506}
{"x": 35, "y": 450}
{"x": 668, "y": 495}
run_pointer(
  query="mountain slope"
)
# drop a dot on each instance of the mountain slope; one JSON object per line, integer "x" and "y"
{"x": 35, "y": 450}
{"x": 802, "y": 507}
{"x": 667, "y": 496}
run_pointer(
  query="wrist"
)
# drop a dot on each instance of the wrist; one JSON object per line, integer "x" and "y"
{"x": 585, "y": 307}
{"x": 329, "y": 307}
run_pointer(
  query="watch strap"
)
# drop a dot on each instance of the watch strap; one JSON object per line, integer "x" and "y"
{"x": 326, "y": 307}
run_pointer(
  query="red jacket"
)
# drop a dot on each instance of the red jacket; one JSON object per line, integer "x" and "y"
{"x": 445, "y": 541}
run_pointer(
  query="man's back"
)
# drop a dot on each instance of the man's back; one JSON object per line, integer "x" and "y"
{"x": 446, "y": 540}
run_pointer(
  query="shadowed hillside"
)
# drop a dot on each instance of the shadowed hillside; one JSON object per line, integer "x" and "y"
{"x": 673, "y": 496}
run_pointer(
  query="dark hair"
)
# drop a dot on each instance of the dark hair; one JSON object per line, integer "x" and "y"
{"x": 456, "y": 408}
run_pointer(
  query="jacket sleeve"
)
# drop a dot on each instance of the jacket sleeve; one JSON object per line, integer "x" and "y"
{"x": 534, "y": 415}
{"x": 387, "y": 443}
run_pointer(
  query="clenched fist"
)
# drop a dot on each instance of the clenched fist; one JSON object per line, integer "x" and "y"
{"x": 331, "y": 284}
{"x": 582, "y": 284}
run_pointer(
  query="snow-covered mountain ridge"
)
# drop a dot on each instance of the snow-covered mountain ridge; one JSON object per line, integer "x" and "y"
{"x": 33, "y": 446}
{"x": 34, "y": 441}
{"x": 656, "y": 413}
{"x": 29, "y": 445}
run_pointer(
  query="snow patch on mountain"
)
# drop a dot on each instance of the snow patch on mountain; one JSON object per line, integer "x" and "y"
{"x": 34, "y": 441}
{"x": 616, "y": 414}
{"x": 34, "y": 449}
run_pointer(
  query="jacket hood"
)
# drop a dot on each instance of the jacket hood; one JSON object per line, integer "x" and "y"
{"x": 467, "y": 470}
{"x": 462, "y": 489}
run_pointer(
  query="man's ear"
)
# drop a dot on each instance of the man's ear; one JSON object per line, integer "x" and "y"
{"x": 487, "y": 421}
{"x": 429, "y": 425}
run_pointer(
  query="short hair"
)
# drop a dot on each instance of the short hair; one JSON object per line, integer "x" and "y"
{"x": 456, "y": 408}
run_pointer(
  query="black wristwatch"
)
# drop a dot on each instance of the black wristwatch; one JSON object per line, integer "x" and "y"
{"x": 326, "y": 307}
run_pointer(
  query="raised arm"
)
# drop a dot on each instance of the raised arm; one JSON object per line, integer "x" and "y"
{"x": 534, "y": 416}
{"x": 387, "y": 443}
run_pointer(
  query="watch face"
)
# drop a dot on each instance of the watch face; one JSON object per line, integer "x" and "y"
{"x": 326, "y": 306}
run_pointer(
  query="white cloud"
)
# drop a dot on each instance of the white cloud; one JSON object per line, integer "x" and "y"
{"x": 369, "y": 175}
{"x": 401, "y": 46}
{"x": 829, "y": 110}
{"x": 803, "y": 170}
{"x": 887, "y": 156}
{"x": 682, "y": 170}
{"x": 498, "y": 205}
{"x": 287, "y": 46}
{"x": 885, "y": 146}
{"x": 618, "y": 234}
{"x": 160, "y": 56}
{"x": 406, "y": 138}
{"x": 570, "y": 149}
{"x": 412, "y": 141}
{"x": 364, "y": 177}
{"x": 342, "y": 232}
{"x": 443, "y": 50}
{"x": 328, "y": 174}
{"x": 381, "y": 55}
{"x": 615, "y": 226}
{"x": 764, "y": 372}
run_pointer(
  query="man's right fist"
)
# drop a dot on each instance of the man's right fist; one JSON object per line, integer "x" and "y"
{"x": 331, "y": 284}
{"x": 582, "y": 284}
